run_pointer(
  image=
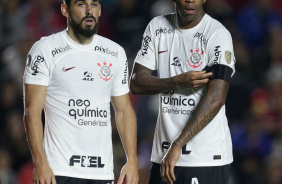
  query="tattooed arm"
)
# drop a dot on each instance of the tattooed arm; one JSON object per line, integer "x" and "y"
{"x": 206, "y": 110}
{"x": 142, "y": 82}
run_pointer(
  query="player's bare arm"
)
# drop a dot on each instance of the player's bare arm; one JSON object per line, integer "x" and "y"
{"x": 206, "y": 110}
{"x": 142, "y": 82}
{"x": 34, "y": 100}
{"x": 126, "y": 124}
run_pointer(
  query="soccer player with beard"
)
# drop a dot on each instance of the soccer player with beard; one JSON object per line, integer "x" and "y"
{"x": 74, "y": 75}
{"x": 192, "y": 142}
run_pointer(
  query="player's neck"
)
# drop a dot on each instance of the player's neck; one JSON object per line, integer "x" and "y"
{"x": 78, "y": 38}
{"x": 188, "y": 24}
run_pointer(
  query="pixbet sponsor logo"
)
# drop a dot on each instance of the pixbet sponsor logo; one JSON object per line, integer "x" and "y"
{"x": 38, "y": 59}
{"x": 86, "y": 161}
{"x": 106, "y": 50}
{"x": 201, "y": 37}
{"x": 145, "y": 47}
{"x": 61, "y": 50}
{"x": 217, "y": 54}
{"x": 164, "y": 31}
{"x": 79, "y": 108}
{"x": 125, "y": 73}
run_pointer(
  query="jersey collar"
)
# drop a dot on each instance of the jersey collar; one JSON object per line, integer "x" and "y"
{"x": 77, "y": 45}
{"x": 191, "y": 30}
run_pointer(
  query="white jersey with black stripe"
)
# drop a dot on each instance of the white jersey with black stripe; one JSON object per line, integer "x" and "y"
{"x": 172, "y": 51}
{"x": 80, "y": 81}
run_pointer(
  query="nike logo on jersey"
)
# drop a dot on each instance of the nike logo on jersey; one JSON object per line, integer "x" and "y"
{"x": 67, "y": 69}
{"x": 162, "y": 51}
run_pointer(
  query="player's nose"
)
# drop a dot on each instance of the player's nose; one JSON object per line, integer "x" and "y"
{"x": 89, "y": 10}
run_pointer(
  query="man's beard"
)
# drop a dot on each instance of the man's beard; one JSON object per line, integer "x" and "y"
{"x": 86, "y": 32}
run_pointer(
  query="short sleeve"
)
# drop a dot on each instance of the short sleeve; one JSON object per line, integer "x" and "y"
{"x": 146, "y": 55}
{"x": 37, "y": 64}
{"x": 120, "y": 83}
{"x": 221, "y": 53}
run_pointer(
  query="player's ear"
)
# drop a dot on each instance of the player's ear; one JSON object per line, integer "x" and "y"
{"x": 65, "y": 10}
{"x": 100, "y": 10}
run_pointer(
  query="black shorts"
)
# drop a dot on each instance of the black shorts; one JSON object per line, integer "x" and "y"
{"x": 70, "y": 180}
{"x": 193, "y": 175}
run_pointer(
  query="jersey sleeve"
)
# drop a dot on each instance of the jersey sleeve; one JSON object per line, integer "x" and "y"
{"x": 221, "y": 59}
{"x": 37, "y": 65}
{"x": 120, "y": 83}
{"x": 146, "y": 55}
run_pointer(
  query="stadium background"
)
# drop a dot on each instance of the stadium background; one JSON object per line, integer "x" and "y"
{"x": 254, "y": 103}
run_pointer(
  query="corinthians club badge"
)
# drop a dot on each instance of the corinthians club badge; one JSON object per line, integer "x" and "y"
{"x": 196, "y": 58}
{"x": 106, "y": 73}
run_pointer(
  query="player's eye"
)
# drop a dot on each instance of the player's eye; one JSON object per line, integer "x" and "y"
{"x": 80, "y": 4}
{"x": 94, "y": 4}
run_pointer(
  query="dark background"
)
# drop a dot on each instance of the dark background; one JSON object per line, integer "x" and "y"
{"x": 254, "y": 103}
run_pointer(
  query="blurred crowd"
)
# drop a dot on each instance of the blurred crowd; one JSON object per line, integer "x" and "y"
{"x": 254, "y": 102}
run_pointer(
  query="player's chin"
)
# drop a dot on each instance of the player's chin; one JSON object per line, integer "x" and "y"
{"x": 188, "y": 17}
{"x": 89, "y": 27}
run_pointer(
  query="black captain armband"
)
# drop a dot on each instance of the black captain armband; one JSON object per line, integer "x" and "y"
{"x": 220, "y": 72}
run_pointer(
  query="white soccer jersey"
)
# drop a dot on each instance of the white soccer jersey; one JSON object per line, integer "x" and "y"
{"x": 81, "y": 80}
{"x": 173, "y": 51}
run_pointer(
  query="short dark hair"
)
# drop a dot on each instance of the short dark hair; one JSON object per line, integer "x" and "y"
{"x": 67, "y": 2}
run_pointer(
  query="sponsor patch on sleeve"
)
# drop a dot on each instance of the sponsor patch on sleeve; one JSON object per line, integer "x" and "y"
{"x": 228, "y": 56}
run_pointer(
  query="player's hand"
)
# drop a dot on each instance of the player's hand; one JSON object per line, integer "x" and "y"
{"x": 169, "y": 162}
{"x": 43, "y": 175}
{"x": 130, "y": 173}
{"x": 194, "y": 79}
